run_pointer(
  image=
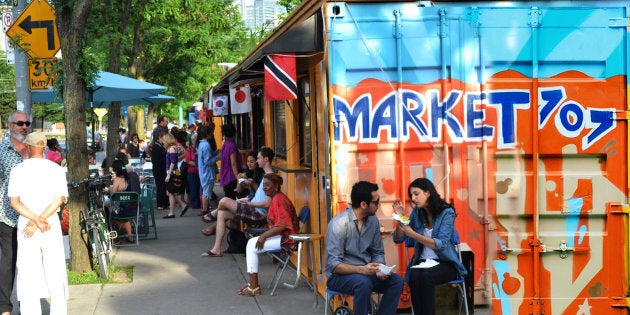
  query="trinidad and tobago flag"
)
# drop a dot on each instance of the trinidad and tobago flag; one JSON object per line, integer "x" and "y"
{"x": 280, "y": 77}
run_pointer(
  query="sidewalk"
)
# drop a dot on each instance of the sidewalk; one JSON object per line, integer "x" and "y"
{"x": 170, "y": 277}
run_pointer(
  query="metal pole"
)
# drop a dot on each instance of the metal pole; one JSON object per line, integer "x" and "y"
{"x": 23, "y": 93}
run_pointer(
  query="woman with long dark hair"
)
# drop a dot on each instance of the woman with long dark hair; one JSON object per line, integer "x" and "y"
{"x": 123, "y": 182}
{"x": 431, "y": 226}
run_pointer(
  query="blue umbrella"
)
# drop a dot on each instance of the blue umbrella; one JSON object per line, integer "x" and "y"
{"x": 109, "y": 87}
{"x": 139, "y": 101}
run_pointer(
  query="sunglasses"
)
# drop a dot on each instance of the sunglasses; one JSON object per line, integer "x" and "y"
{"x": 22, "y": 123}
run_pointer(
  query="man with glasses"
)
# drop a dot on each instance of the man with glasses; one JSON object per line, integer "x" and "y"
{"x": 12, "y": 152}
{"x": 355, "y": 250}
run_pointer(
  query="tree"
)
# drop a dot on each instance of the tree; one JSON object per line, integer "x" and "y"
{"x": 8, "y": 98}
{"x": 71, "y": 18}
{"x": 175, "y": 43}
{"x": 289, "y": 5}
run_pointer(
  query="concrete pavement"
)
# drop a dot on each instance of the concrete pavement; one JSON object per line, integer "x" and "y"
{"x": 170, "y": 277}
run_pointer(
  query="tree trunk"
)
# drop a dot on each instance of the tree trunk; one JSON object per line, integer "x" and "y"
{"x": 71, "y": 19}
{"x": 132, "y": 122}
{"x": 142, "y": 128}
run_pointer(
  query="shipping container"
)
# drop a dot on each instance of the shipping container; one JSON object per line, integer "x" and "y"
{"x": 516, "y": 110}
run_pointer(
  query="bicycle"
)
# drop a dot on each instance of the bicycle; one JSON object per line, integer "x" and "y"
{"x": 94, "y": 224}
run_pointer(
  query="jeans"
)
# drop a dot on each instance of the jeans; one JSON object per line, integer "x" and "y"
{"x": 8, "y": 247}
{"x": 361, "y": 288}
{"x": 422, "y": 284}
{"x": 193, "y": 190}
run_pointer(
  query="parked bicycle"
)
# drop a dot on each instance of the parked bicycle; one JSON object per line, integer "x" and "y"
{"x": 94, "y": 224}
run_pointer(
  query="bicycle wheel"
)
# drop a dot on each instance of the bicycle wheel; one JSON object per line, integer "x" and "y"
{"x": 106, "y": 240}
{"x": 98, "y": 253}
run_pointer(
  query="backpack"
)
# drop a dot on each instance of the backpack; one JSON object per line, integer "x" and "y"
{"x": 236, "y": 242}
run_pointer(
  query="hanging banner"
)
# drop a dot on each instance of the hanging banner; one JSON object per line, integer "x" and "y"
{"x": 219, "y": 105}
{"x": 241, "y": 100}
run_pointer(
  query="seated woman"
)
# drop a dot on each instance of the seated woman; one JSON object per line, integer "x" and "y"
{"x": 282, "y": 222}
{"x": 431, "y": 226}
{"x": 248, "y": 180}
{"x": 123, "y": 182}
{"x": 54, "y": 152}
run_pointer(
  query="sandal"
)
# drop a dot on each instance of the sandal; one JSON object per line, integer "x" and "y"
{"x": 208, "y": 218}
{"x": 206, "y": 233}
{"x": 184, "y": 211}
{"x": 248, "y": 291}
{"x": 210, "y": 254}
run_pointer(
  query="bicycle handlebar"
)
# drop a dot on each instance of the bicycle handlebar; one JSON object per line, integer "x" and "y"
{"x": 100, "y": 180}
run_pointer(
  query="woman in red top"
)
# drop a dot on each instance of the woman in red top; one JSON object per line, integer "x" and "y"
{"x": 282, "y": 222}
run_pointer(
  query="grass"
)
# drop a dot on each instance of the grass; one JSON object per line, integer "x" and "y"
{"x": 117, "y": 274}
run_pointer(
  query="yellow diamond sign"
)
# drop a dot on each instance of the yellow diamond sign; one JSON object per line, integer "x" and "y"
{"x": 35, "y": 30}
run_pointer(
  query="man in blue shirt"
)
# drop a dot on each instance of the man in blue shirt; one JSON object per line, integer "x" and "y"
{"x": 355, "y": 250}
{"x": 12, "y": 152}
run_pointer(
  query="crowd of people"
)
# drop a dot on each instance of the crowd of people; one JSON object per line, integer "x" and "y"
{"x": 185, "y": 169}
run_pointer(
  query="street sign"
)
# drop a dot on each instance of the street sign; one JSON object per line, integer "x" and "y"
{"x": 7, "y": 20}
{"x": 35, "y": 30}
{"x": 40, "y": 73}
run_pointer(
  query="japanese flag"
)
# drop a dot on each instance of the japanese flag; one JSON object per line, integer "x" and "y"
{"x": 219, "y": 105}
{"x": 240, "y": 100}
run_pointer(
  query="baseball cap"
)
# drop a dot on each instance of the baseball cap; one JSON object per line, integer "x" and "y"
{"x": 36, "y": 139}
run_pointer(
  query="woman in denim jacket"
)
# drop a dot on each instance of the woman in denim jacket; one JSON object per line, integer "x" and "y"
{"x": 431, "y": 226}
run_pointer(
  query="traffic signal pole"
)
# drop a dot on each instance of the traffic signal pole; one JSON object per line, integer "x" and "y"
{"x": 23, "y": 93}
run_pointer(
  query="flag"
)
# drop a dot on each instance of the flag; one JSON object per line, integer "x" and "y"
{"x": 219, "y": 105}
{"x": 280, "y": 77}
{"x": 240, "y": 99}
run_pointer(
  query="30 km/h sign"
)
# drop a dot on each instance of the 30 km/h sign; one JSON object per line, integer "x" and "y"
{"x": 35, "y": 30}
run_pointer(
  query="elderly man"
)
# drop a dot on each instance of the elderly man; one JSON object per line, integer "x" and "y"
{"x": 12, "y": 152}
{"x": 37, "y": 188}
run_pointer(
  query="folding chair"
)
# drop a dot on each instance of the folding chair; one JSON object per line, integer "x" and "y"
{"x": 118, "y": 199}
{"x": 148, "y": 211}
{"x": 284, "y": 260}
{"x": 459, "y": 283}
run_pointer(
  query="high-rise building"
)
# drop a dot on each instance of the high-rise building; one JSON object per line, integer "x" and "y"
{"x": 257, "y": 13}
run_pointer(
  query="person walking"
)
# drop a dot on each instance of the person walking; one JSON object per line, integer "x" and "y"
{"x": 12, "y": 152}
{"x": 174, "y": 177}
{"x": 37, "y": 188}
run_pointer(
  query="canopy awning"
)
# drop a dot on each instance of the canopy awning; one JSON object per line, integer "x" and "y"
{"x": 302, "y": 35}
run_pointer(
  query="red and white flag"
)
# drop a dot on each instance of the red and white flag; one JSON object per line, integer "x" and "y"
{"x": 240, "y": 100}
{"x": 280, "y": 77}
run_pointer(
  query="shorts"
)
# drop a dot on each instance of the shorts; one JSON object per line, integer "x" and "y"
{"x": 245, "y": 212}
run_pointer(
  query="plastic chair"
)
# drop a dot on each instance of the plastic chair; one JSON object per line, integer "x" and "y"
{"x": 121, "y": 198}
{"x": 147, "y": 209}
{"x": 458, "y": 283}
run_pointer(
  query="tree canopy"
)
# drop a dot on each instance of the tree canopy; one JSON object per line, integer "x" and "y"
{"x": 175, "y": 43}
